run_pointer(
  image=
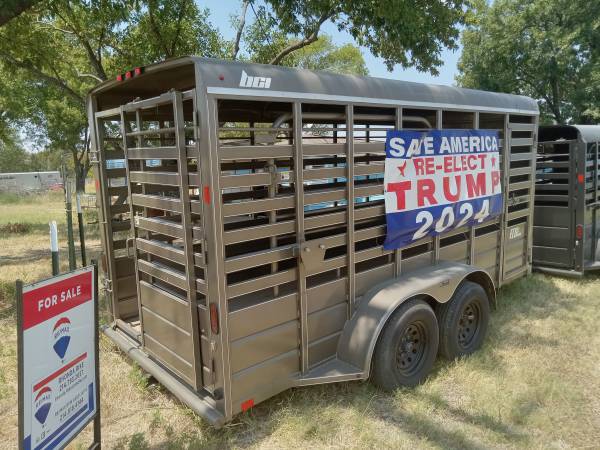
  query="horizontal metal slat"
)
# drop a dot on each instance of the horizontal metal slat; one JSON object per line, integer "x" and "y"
{"x": 157, "y": 131}
{"x": 161, "y": 249}
{"x": 248, "y": 152}
{"x": 520, "y": 142}
{"x": 165, "y": 274}
{"x": 255, "y": 206}
{"x": 153, "y": 153}
{"x": 164, "y": 178}
{"x": 368, "y": 169}
{"x": 521, "y": 126}
{"x": 258, "y": 232}
{"x": 258, "y": 258}
{"x": 369, "y": 147}
{"x": 161, "y": 226}
{"x": 323, "y": 149}
{"x": 116, "y": 173}
{"x": 157, "y": 202}
{"x": 120, "y": 225}
{"x": 248, "y": 180}
{"x": 365, "y": 191}
{"x": 257, "y": 284}
{"x": 324, "y": 196}
{"x": 328, "y": 172}
{"x": 521, "y": 185}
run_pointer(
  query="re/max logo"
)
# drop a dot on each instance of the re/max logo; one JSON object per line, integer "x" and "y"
{"x": 254, "y": 82}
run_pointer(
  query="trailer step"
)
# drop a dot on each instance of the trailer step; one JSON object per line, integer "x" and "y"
{"x": 331, "y": 371}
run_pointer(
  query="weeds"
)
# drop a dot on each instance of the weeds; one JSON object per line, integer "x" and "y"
{"x": 15, "y": 228}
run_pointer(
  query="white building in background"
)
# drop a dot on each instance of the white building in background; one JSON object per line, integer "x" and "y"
{"x": 22, "y": 182}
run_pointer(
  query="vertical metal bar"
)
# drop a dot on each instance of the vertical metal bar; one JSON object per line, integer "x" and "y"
{"x": 529, "y": 249}
{"x": 105, "y": 216}
{"x": 124, "y": 130}
{"x": 350, "y": 250}
{"x": 299, "y": 188}
{"x": 436, "y": 239}
{"x": 398, "y": 252}
{"x": 186, "y": 223}
{"x": 216, "y": 250}
{"x": 20, "y": 371}
{"x": 503, "y": 221}
{"x": 595, "y": 207}
{"x": 472, "y": 227}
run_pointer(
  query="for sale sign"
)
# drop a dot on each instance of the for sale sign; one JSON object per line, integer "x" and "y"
{"x": 439, "y": 180}
{"x": 57, "y": 359}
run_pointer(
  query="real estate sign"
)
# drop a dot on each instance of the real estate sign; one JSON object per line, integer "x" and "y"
{"x": 58, "y": 359}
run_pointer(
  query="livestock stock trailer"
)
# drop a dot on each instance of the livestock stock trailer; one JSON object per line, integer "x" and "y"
{"x": 566, "y": 222}
{"x": 236, "y": 265}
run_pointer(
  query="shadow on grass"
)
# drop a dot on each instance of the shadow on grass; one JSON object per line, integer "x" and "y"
{"x": 529, "y": 299}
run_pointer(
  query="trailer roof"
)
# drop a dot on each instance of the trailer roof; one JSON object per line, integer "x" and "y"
{"x": 588, "y": 133}
{"x": 224, "y": 77}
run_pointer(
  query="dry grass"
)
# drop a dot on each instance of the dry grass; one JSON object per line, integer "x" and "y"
{"x": 535, "y": 384}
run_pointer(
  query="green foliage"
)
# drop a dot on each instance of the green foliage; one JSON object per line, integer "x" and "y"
{"x": 54, "y": 53}
{"x": 546, "y": 49}
{"x": 400, "y": 31}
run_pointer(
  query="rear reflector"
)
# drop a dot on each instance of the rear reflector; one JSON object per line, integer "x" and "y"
{"x": 581, "y": 178}
{"x": 137, "y": 71}
{"x": 206, "y": 195}
{"x": 120, "y": 77}
{"x": 128, "y": 74}
{"x": 214, "y": 318}
{"x": 247, "y": 405}
{"x": 579, "y": 231}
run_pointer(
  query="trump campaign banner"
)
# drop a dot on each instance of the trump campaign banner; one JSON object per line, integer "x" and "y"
{"x": 439, "y": 180}
{"x": 58, "y": 359}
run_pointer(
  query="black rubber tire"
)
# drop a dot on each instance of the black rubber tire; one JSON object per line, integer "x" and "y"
{"x": 392, "y": 363}
{"x": 463, "y": 321}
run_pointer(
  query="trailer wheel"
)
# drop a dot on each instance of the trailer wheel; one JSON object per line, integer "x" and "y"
{"x": 463, "y": 321}
{"x": 407, "y": 347}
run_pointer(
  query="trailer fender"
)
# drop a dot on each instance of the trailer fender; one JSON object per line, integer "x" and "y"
{"x": 439, "y": 282}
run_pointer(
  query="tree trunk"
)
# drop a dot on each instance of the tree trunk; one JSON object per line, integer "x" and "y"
{"x": 81, "y": 168}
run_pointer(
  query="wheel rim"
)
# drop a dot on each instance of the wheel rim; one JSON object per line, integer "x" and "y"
{"x": 411, "y": 349}
{"x": 469, "y": 324}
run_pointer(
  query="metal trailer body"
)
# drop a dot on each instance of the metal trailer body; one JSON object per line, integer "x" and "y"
{"x": 20, "y": 182}
{"x": 566, "y": 222}
{"x": 245, "y": 270}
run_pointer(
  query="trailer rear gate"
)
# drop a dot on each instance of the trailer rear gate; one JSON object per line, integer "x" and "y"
{"x": 566, "y": 222}
{"x": 239, "y": 199}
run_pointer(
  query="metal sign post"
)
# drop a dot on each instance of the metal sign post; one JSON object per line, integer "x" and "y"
{"x": 57, "y": 335}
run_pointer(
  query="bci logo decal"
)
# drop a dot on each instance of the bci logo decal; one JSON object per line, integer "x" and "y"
{"x": 42, "y": 404}
{"x": 61, "y": 336}
{"x": 254, "y": 82}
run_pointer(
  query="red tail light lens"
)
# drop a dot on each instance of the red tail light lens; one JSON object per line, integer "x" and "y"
{"x": 581, "y": 178}
{"x": 214, "y": 318}
{"x": 120, "y": 77}
{"x": 579, "y": 231}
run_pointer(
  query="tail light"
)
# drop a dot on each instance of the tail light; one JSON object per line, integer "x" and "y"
{"x": 579, "y": 231}
{"x": 581, "y": 178}
{"x": 214, "y": 318}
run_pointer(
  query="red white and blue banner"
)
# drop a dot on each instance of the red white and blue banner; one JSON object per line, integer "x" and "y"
{"x": 439, "y": 180}
{"x": 58, "y": 359}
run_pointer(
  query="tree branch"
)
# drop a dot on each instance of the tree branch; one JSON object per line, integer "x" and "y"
{"x": 240, "y": 29}
{"x": 96, "y": 64}
{"x": 11, "y": 9}
{"x": 304, "y": 42}
{"x": 178, "y": 29}
{"x": 156, "y": 31}
{"x": 55, "y": 81}
{"x": 89, "y": 75}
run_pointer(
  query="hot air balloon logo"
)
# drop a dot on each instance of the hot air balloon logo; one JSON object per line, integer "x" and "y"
{"x": 42, "y": 404}
{"x": 61, "y": 335}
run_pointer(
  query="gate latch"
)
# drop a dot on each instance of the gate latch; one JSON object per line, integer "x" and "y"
{"x": 312, "y": 254}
